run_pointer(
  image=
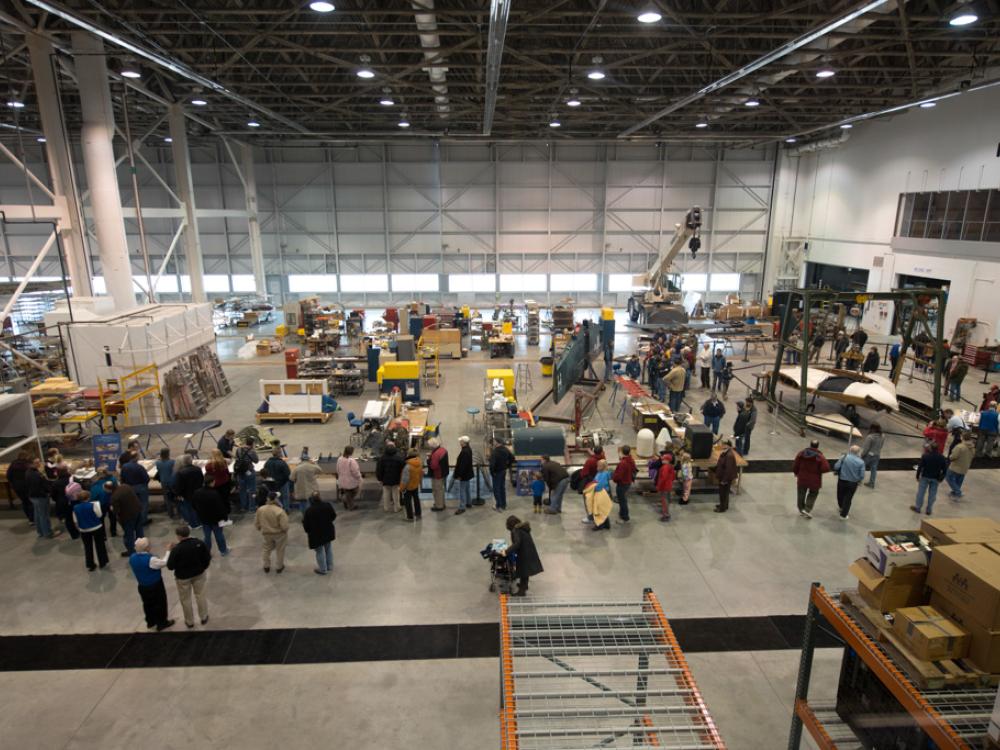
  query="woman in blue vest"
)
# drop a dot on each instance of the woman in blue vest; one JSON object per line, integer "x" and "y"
{"x": 89, "y": 517}
{"x": 146, "y": 569}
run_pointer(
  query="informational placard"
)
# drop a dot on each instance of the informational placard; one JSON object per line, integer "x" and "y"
{"x": 107, "y": 449}
{"x": 525, "y": 475}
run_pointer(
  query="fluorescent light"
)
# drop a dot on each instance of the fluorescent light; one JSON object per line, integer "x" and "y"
{"x": 596, "y": 75}
{"x": 791, "y": 140}
{"x": 555, "y": 124}
{"x": 253, "y": 124}
{"x": 40, "y": 140}
{"x": 404, "y": 124}
{"x": 928, "y": 105}
{"x": 15, "y": 105}
{"x": 365, "y": 73}
{"x": 130, "y": 73}
{"x": 963, "y": 18}
{"x": 826, "y": 73}
{"x": 846, "y": 126}
{"x": 168, "y": 139}
{"x": 199, "y": 102}
{"x": 573, "y": 102}
{"x": 321, "y": 7}
{"x": 386, "y": 101}
{"x": 701, "y": 125}
{"x": 649, "y": 16}
{"x": 751, "y": 103}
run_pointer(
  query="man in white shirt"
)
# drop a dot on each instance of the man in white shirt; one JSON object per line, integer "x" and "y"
{"x": 146, "y": 569}
{"x": 705, "y": 365}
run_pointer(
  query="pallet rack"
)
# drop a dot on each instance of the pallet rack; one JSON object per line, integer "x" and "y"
{"x": 597, "y": 674}
{"x": 953, "y": 718}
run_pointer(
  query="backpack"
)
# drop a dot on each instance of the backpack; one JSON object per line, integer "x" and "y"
{"x": 653, "y": 467}
{"x": 243, "y": 464}
{"x": 576, "y": 480}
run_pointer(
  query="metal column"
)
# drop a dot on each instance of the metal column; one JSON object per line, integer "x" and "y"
{"x": 185, "y": 191}
{"x": 96, "y": 137}
{"x": 57, "y": 151}
{"x": 253, "y": 221}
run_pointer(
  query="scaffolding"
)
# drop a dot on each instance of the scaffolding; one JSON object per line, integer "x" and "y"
{"x": 954, "y": 718}
{"x": 915, "y": 306}
{"x": 597, "y": 674}
{"x": 132, "y": 398}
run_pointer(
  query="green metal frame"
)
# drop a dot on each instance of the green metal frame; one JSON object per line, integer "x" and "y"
{"x": 919, "y": 300}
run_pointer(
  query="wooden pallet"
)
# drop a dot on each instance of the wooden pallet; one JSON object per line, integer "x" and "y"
{"x": 928, "y": 675}
{"x": 271, "y": 416}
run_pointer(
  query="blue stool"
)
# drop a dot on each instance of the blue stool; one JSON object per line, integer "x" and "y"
{"x": 473, "y": 413}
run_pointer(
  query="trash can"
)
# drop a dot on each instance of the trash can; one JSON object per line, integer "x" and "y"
{"x": 547, "y": 366}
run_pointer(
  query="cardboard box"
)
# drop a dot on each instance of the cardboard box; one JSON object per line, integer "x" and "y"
{"x": 885, "y": 556}
{"x": 994, "y": 728}
{"x": 960, "y": 531}
{"x": 929, "y": 635}
{"x": 984, "y": 645}
{"x": 904, "y": 587}
{"x": 968, "y": 575}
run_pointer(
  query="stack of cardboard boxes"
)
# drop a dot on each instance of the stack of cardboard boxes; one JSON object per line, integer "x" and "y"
{"x": 893, "y": 572}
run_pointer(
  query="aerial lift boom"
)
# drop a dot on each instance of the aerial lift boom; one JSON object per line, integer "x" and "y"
{"x": 660, "y": 300}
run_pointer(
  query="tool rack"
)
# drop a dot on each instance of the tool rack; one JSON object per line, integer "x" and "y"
{"x": 597, "y": 674}
{"x": 953, "y": 718}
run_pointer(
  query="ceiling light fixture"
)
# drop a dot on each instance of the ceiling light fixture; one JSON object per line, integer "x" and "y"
{"x": 596, "y": 74}
{"x": 928, "y": 105}
{"x": 846, "y": 126}
{"x": 386, "y": 100}
{"x": 751, "y": 103}
{"x": 129, "y": 70}
{"x": 168, "y": 139}
{"x": 826, "y": 72}
{"x": 199, "y": 102}
{"x": 573, "y": 101}
{"x": 555, "y": 124}
{"x": 15, "y": 104}
{"x": 321, "y": 7}
{"x": 701, "y": 125}
{"x": 405, "y": 121}
{"x": 253, "y": 124}
{"x": 40, "y": 140}
{"x": 963, "y": 15}
{"x": 364, "y": 71}
{"x": 650, "y": 16}
{"x": 791, "y": 140}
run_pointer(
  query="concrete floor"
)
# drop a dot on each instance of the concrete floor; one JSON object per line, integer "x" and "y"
{"x": 758, "y": 559}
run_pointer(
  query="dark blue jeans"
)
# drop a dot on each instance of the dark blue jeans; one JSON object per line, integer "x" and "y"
{"x": 676, "y": 399}
{"x": 713, "y": 423}
{"x": 131, "y": 530}
{"x": 220, "y": 538}
{"x": 621, "y": 491}
{"x": 500, "y": 490}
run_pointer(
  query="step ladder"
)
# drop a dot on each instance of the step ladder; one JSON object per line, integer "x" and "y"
{"x": 430, "y": 365}
{"x": 522, "y": 378}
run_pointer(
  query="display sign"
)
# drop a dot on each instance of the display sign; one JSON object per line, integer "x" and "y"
{"x": 107, "y": 449}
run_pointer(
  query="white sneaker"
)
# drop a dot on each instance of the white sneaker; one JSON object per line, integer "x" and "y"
{"x": 844, "y": 518}
{"x": 224, "y": 524}
{"x": 585, "y": 520}
{"x": 807, "y": 514}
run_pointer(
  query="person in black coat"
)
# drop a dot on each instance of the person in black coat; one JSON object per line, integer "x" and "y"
{"x": 318, "y": 524}
{"x": 17, "y": 479}
{"x": 464, "y": 473}
{"x": 188, "y": 479}
{"x": 211, "y": 510}
{"x": 871, "y": 361}
{"x": 522, "y": 546}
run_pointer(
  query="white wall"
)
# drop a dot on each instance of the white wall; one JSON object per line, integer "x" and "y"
{"x": 843, "y": 202}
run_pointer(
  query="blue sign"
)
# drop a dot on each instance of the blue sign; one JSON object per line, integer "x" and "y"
{"x": 107, "y": 448}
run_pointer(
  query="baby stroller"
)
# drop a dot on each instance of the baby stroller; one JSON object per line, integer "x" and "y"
{"x": 501, "y": 566}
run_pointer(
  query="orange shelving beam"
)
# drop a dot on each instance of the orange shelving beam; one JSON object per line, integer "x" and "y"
{"x": 508, "y": 713}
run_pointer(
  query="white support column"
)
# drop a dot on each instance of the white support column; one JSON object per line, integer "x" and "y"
{"x": 99, "y": 160}
{"x": 60, "y": 166}
{"x": 253, "y": 222}
{"x": 185, "y": 191}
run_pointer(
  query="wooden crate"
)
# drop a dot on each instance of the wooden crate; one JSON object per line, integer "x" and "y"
{"x": 321, "y": 417}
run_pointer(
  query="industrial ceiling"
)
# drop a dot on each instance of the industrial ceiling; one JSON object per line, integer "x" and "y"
{"x": 737, "y": 71}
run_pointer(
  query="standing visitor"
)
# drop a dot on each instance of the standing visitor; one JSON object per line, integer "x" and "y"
{"x": 522, "y": 547}
{"x": 305, "y": 481}
{"x": 705, "y": 365}
{"x": 409, "y": 485}
{"x": 664, "y": 484}
{"x": 271, "y": 521}
{"x": 936, "y": 432}
{"x": 501, "y": 459}
{"x": 318, "y": 524}
{"x": 136, "y": 477}
{"x": 624, "y": 476}
{"x": 165, "y": 476}
{"x": 713, "y": 411}
{"x": 189, "y": 560}
{"x": 557, "y": 479}
{"x": 726, "y": 472}
{"x": 227, "y": 444}
{"x": 437, "y": 470}
{"x": 188, "y": 480}
{"x": 809, "y": 467}
{"x": 817, "y": 346}
{"x": 955, "y": 373}
{"x": 597, "y": 501}
{"x": 388, "y": 471}
{"x": 686, "y": 476}
{"x": 211, "y": 510}
{"x": 718, "y": 366}
{"x": 348, "y": 477}
{"x": 217, "y": 477}
{"x": 537, "y": 491}
{"x": 725, "y": 379}
{"x": 958, "y": 466}
{"x": 675, "y": 380}
{"x": 871, "y": 451}
{"x": 17, "y": 479}
{"x": 850, "y": 470}
{"x": 89, "y": 517}
{"x": 125, "y": 504}
{"x": 276, "y": 474}
{"x": 751, "y": 408}
{"x": 147, "y": 571}
{"x": 39, "y": 490}
{"x": 246, "y": 475}
{"x": 463, "y": 473}
{"x": 989, "y": 425}
{"x": 930, "y": 471}
{"x": 840, "y": 347}
{"x": 872, "y": 361}
{"x": 894, "y": 351}
{"x": 740, "y": 425}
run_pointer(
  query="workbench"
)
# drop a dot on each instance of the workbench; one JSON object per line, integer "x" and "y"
{"x": 417, "y": 418}
{"x": 501, "y": 346}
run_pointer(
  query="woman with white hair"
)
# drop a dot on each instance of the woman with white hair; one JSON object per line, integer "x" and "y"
{"x": 464, "y": 473}
{"x": 437, "y": 470}
{"x": 146, "y": 569}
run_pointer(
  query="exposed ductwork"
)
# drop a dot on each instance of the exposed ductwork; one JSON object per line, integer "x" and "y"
{"x": 430, "y": 41}
{"x": 826, "y": 143}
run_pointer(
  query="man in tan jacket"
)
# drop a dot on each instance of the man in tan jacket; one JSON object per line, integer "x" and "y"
{"x": 272, "y": 523}
{"x": 959, "y": 463}
{"x": 304, "y": 482}
{"x": 675, "y": 385}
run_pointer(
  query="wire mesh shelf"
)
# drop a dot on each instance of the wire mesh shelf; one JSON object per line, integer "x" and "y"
{"x": 597, "y": 674}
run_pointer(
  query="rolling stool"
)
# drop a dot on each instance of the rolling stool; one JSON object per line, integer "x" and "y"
{"x": 356, "y": 437}
{"x": 473, "y": 413}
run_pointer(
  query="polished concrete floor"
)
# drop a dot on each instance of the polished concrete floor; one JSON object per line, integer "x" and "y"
{"x": 758, "y": 559}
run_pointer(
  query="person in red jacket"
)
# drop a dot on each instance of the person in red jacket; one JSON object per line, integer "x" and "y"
{"x": 809, "y": 467}
{"x": 665, "y": 483}
{"x": 937, "y": 432}
{"x": 623, "y": 477}
{"x": 589, "y": 470}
